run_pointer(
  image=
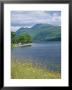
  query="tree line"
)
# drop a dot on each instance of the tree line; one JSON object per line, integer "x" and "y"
{"x": 22, "y": 38}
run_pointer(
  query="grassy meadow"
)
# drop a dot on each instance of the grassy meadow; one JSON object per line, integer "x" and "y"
{"x": 27, "y": 70}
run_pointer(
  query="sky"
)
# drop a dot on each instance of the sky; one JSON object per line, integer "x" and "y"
{"x": 30, "y": 18}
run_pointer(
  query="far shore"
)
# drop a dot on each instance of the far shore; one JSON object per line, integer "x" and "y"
{"x": 21, "y": 45}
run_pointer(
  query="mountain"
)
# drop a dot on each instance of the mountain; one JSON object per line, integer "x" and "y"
{"x": 42, "y": 32}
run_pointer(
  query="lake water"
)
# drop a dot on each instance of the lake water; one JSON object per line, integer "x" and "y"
{"x": 46, "y": 54}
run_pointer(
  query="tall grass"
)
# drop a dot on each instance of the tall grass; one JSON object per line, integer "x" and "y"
{"x": 27, "y": 70}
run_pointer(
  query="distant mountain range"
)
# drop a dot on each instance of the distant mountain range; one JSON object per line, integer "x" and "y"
{"x": 42, "y": 32}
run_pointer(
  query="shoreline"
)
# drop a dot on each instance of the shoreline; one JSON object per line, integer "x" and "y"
{"x": 21, "y": 45}
{"x": 30, "y": 44}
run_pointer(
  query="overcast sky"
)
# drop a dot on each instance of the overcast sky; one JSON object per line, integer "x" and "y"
{"x": 30, "y": 18}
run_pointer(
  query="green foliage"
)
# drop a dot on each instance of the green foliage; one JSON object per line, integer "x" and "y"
{"x": 13, "y": 40}
{"x": 22, "y": 38}
{"x": 25, "y": 38}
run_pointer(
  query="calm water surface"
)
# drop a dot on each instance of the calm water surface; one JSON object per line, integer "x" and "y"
{"x": 43, "y": 53}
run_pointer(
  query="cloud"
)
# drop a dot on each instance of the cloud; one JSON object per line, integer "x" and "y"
{"x": 29, "y": 18}
{"x": 14, "y": 28}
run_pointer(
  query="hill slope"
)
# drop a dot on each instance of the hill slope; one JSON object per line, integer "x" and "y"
{"x": 42, "y": 32}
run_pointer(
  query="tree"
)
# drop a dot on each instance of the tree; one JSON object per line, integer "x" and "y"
{"x": 13, "y": 40}
{"x": 22, "y": 38}
{"x": 25, "y": 38}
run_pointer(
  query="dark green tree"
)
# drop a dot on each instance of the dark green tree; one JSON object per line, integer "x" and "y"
{"x": 13, "y": 35}
{"x": 25, "y": 38}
